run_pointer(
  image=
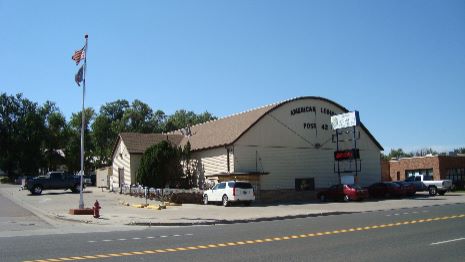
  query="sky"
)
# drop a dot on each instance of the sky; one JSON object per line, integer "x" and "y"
{"x": 401, "y": 64}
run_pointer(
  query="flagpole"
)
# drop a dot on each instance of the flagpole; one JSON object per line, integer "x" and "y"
{"x": 81, "y": 199}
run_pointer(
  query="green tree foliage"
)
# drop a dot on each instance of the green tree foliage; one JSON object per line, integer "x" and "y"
{"x": 397, "y": 153}
{"x": 33, "y": 137}
{"x": 73, "y": 147}
{"x": 21, "y": 133}
{"x": 55, "y": 135}
{"x": 183, "y": 118}
{"x": 424, "y": 152}
{"x": 160, "y": 166}
{"x": 189, "y": 167}
{"x": 460, "y": 150}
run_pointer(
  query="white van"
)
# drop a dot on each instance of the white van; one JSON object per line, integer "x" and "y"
{"x": 230, "y": 191}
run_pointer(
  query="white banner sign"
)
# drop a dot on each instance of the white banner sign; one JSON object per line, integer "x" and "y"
{"x": 349, "y": 119}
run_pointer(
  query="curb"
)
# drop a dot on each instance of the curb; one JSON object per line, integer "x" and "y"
{"x": 239, "y": 221}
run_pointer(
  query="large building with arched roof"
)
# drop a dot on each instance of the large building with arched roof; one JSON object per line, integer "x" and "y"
{"x": 285, "y": 149}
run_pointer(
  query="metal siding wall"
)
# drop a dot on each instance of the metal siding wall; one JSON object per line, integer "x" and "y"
{"x": 213, "y": 161}
{"x": 287, "y": 149}
{"x": 121, "y": 163}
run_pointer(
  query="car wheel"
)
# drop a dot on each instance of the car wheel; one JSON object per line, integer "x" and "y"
{"x": 225, "y": 201}
{"x": 205, "y": 200}
{"x": 441, "y": 193}
{"x": 432, "y": 191}
{"x": 76, "y": 188}
{"x": 346, "y": 198}
{"x": 322, "y": 198}
{"x": 36, "y": 190}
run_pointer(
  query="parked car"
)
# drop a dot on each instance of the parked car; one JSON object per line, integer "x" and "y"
{"x": 229, "y": 192}
{"x": 385, "y": 190}
{"x": 53, "y": 180}
{"x": 408, "y": 189}
{"x": 90, "y": 180}
{"x": 343, "y": 192}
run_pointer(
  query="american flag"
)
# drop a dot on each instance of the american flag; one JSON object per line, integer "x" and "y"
{"x": 79, "y": 55}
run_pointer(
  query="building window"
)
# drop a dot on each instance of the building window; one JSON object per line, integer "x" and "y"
{"x": 427, "y": 173}
{"x": 457, "y": 176}
{"x": 398, "y": 175}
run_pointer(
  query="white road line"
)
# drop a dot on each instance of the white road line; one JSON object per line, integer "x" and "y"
{"x": 447, "y": 241}
{"x": 138, "y": 238}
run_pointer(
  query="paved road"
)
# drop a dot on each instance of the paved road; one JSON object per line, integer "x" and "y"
{"x": 14, "y": 218}
{"x": 435, "y": 233}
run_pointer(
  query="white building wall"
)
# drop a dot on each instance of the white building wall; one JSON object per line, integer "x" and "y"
{"x": 121, "y": 159}
{"x": 284, "y": 144}
{"x": 214, "y": 161}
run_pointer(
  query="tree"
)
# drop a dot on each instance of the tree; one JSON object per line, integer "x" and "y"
{"x": 182, "y": 118}
{"x": 73, "y": 147}
{"x": 55, "y": 135}
{"x": 160, "y": 166}
{"x": 139, "y": 118}
{"x": 398, "y": 153}
{"x": 189, "y": 166}
{"x": 21, "y": 134}
{"x": 424, "y": 152}
{"x": 460, "y": 150}
{"x": 102, "y": 138}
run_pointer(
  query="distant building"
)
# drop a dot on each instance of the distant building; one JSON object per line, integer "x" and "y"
{"x": 287, "y": 147}
{"x": 128, "y": 152}
{"x": 440, "y": 167}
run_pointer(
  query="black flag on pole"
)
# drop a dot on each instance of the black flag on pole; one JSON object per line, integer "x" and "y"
{"x": 79, "y": 77}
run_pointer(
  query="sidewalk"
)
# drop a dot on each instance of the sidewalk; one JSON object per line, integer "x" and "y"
{"x": 53, "y": 205}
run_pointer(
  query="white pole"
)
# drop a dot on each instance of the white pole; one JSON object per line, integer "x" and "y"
{"x": 81, "y": 199}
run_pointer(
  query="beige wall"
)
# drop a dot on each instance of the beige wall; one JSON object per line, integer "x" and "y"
{"x": 121, "y": 159}
{"x": 284, "y": 145}
{"x": 213, "y": 161}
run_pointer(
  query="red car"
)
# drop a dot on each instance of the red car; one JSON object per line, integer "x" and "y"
{"x": 385, "y": 190}
{"x": 343, "y": 192}
{"x": 408, "y": 189}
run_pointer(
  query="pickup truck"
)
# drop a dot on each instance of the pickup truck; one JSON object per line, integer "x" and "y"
{"x": 54, "y": 180}
{"x": 426, "y": 183}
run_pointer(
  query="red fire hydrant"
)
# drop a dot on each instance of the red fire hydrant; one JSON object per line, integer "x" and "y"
{"x": 96, "y": 209}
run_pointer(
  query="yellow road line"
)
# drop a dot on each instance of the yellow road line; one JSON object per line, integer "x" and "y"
{"x": 251, "y": 242}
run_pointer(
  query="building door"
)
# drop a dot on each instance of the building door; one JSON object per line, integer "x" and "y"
{"x": 121, "y": 179}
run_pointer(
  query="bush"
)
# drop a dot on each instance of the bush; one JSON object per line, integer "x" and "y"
{"x": 186, "y": 198}
{"x": 5, "y": 180}
{"x": 160, "y": 165}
